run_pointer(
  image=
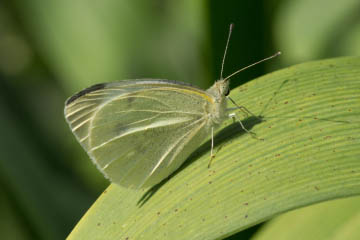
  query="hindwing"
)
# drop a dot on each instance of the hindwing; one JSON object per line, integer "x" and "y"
{"x": 138, "y": 132}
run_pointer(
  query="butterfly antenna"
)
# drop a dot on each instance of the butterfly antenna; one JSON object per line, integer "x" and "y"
{"x": 226, "y": 47}
{"x": 242, "y": 69}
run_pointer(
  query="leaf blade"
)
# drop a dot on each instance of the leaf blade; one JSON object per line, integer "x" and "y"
{"x": 310, "y": 154}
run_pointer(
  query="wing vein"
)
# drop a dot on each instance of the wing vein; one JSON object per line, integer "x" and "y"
{"x": 189, "y": 133}
{"x": 78, "y": 110}
{"x": 144, "y": 128}
{"x": 81, "y": 124}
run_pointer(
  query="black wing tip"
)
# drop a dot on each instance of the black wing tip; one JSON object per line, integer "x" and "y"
{"x": 85, "y": 91}
{"x": 102, "y": 86}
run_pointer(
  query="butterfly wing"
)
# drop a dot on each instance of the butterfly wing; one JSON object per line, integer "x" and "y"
{"x": 139, "y": 132}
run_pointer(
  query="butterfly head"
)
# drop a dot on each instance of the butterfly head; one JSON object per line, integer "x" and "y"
{"x": 224, "y": 87}
{"x": 219, "y": 90}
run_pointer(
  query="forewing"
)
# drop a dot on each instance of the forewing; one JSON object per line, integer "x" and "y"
{"x": 139, "y": 132}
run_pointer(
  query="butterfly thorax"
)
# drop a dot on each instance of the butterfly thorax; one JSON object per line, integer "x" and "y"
{"x": 218, "y": 92}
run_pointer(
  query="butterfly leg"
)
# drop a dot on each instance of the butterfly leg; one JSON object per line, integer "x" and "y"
{"x": 243, "y": 109}
{"x": 212, "y": 156}
{"x": 217, "y": 150}
{"x": 236, "y": 118}
{"x": 212, "y": 148}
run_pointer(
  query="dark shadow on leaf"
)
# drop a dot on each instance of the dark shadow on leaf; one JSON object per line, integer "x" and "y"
{"x": 309, "y": 117}
{"x": 228, "y": 133}
{"x": 273, "y": 96}
{"x": 273, "y": 99}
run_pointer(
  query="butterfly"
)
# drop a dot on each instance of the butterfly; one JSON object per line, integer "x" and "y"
{"x": 138, "y": 132}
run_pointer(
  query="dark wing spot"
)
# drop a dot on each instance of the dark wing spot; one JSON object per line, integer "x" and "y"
{"x": 85, "y": 91}
{"x": 121, "y": 129}
{"x": 130, "y": 100}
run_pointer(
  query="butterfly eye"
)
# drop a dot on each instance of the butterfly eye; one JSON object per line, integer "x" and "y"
{"x": 227, "y": 92}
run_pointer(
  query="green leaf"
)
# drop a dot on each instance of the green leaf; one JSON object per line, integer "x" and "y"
{"x": 310, "y": 153}
{"x": 338, "y": 219}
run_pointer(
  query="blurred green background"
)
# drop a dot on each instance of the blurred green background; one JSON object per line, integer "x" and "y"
{"x": 51, "y": 49}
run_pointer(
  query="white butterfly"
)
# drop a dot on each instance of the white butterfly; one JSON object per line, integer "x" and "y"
{"x": 138, "y": 132}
